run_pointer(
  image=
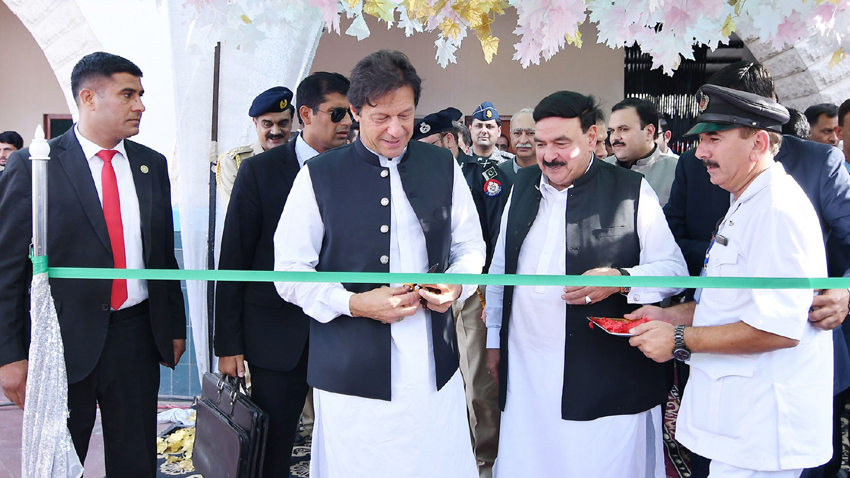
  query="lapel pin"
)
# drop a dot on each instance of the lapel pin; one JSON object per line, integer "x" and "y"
{"x": 144, "y": 169}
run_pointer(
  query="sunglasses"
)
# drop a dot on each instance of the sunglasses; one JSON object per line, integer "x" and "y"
{"x": 338, "y": 113}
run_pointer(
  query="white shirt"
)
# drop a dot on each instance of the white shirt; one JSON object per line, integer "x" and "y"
{"x": 772, "y": 410}
{"x": 545, "y": 247}
{"x": 303, "y": 151}
{"x": 658, "y": 168}
{"x": 137, "y": 290}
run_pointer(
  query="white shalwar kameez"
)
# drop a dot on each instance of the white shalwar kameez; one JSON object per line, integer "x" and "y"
{"x": 421, "y": 432}
{"x": 535, "y": 440}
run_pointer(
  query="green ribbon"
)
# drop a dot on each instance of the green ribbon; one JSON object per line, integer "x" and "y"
{"x": 39, "y": 264}
{"x": 481, "y": 279}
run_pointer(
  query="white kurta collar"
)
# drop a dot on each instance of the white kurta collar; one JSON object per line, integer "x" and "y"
{"x": 547, "y": 189}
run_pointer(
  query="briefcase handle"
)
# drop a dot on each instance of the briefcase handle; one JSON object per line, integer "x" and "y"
{"x": 237, "y": 387}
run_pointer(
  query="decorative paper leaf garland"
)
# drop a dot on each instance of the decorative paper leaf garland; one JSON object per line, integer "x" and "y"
{"x": 665, "y": 29}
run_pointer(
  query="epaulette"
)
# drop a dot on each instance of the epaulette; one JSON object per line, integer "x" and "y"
{"x": 240, "y": 150}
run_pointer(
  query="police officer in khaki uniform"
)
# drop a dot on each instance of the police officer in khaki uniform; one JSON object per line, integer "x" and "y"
{"x": 490, "y": 189}
{"x": 272, "y": 112}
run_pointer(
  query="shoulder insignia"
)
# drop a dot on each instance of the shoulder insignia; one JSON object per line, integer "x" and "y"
{"x": 232, "y": 153}
{"x": 490, "y": 173}
{"x": 492, "y": 188}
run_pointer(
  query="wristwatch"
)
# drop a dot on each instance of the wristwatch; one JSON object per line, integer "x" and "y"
{"x": 680, "y": 350}
{"x": 623, "y": 272}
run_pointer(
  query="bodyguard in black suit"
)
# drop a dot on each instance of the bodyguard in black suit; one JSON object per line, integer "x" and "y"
{"x": 252, "y": 322}
{"x": 115, "y": 334}
{"x": 696, "y": 205}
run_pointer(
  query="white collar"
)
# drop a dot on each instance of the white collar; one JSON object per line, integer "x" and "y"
{"x": 546, "y": 188}
{"x": 303, "y": 151}
{"x": 91, "y": 149}
{"x": 764, "y": 179}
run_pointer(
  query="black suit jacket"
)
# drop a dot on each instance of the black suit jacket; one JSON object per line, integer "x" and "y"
{"x": 251, "y": 318}
{"x": 77, "y": 237}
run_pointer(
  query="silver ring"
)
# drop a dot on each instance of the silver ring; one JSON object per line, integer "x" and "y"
{"x": 399, "y": 319}
{"x": 587, "y": 300}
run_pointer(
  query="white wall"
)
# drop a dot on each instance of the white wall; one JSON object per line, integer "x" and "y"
{"x": 593, "y": 69}
{"x": 28, "y": 87}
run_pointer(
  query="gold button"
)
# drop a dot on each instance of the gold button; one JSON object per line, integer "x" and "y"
{"x": 385, "y": 173}
{"x": 385, "y": 201}
{"x": 385, "y": 229}
{"x": 385, "y": 259}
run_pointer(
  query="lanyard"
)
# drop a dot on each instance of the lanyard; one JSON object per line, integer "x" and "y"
{"x": 703, "y": 272}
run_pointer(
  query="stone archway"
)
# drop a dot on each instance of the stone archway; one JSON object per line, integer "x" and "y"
{"x": 63, "y": 33}
{"x": 802, "y": 75}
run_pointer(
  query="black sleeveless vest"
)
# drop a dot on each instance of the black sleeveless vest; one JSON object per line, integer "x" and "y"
{"x": 603, "y": 374}
{"x": 351, "y": 355}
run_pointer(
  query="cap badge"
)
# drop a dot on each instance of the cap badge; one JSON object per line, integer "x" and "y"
{"x": 703, "y": 102}
{"x": 489, "y": 113}
{"x": 424, "y": 128}
{"x": 283, "y": 104}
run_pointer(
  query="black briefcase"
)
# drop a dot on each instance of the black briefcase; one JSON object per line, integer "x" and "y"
{"x": 230, "y": 431}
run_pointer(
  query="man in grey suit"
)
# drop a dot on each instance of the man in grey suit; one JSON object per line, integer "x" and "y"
{"x": 110, "y": 207}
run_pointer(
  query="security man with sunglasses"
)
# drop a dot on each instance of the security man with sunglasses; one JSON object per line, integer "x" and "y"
{"x": 272, "y": 112}
{"x": 252, "y": 322}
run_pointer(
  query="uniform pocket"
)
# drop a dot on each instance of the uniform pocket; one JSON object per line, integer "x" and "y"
{"x": 723, "y": 408}
{"x": 804, "y": 419}
{"x": 723, "y": 262}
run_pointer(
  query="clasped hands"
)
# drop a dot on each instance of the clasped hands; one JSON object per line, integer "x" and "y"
{"x": 393, "y": 304}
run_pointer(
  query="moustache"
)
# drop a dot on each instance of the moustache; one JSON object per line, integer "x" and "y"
{"x": 524, "y": 145}
{"x": 553, "y": 164}
{"x": 618, "y": 143}
{"x": 710, "y": 164}
{"x": 273, "y": 137}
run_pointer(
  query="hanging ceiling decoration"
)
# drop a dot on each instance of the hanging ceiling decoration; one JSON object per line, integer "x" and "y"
{"x": 667, "y": 30}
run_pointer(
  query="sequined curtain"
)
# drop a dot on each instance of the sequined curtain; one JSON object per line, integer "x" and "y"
{"x": 46, "y": 441}
{"x": 675, "y": 97}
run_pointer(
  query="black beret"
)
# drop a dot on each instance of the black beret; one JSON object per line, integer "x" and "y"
{"x": 724, "y": 108}
{"x": 273, "y": 100}
{"x": 436, "y": 123}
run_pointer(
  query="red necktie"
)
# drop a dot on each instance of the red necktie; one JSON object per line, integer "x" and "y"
{"x": 112, "y": 214}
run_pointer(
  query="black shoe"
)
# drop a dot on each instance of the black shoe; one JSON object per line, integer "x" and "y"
{"x": 299, "y": 440}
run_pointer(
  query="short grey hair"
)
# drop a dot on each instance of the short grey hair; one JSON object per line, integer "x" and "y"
{"x": 530, "y": 111}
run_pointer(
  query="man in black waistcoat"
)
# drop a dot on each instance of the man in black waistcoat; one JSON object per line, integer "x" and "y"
{"x": 490, "y": 191}
{"x": 582, "y": 389}
{"x": 387, "y": 395}
{"x": 252, "y": 322}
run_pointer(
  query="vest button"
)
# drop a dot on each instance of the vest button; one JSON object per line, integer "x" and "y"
{"x": 104, "y": 307}
{"x": 385, "y": 229}
{"x": 385, "y": 201}
{"x": 384, "y": 173}
{"x": 385, "y": 259}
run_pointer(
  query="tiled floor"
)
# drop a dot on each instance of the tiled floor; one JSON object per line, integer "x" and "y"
{"x": 11, "y": 418}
